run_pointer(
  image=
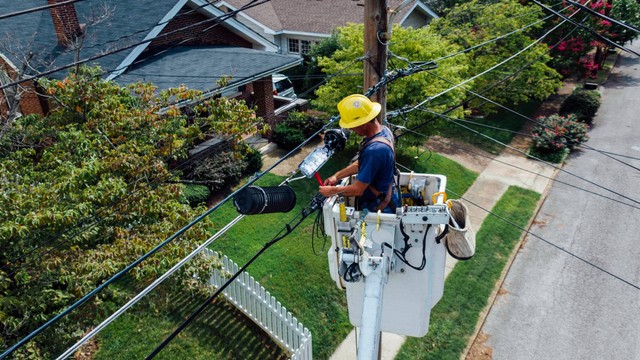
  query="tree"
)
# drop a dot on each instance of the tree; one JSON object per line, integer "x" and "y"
{"x": 413, "y": 44}
{"x": 627, "y": 11}
{"x": 87, "y": 189}
{"x": 473, "y": 23}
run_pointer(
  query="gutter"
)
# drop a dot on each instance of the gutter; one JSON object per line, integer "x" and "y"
{"x": 214, "y": 92}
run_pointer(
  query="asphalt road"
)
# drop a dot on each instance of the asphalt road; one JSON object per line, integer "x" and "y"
{"x": 557, "y": 306}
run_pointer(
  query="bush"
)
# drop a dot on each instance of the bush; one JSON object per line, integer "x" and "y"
{"x": 287, "y": 137}
{"x": 295, "y": 129}
{"x": 253, "y": 159}
{"x": 196, "y": 194}
{"x": 583, "y": 103}
{"x": 557, "y": 135}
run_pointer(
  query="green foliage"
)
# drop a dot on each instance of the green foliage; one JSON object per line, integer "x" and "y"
{"x": 222, "y": 168}
{"x": 556, "y": 135}
{"x": 415, "y": 45}
{"x": 583, "y": 103}
{"x": 87, "y": 190}
{"x": 295, "y": 129}
{"x": 196, "y": 194}
{"x": 475, "y": 22}
{"x": 253, "y": 159}
{"x": 468, "y": 287}
{"x": 627, "y": 11}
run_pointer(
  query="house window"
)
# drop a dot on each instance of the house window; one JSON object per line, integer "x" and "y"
{"x": 294, "y": 46}
{"x": 306, "y": 46}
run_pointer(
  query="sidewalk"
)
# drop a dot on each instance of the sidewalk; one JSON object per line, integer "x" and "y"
{"x": 494, "y": 179}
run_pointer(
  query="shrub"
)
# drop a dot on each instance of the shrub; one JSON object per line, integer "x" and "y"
{"x": 558, "y": 134}
{"x": 287, "y": 137}
{"x": 583, "y": 103}
{"x": 223, "y": 167}
{"x": 196, "y": 194}
{"x": 253, "y": 159}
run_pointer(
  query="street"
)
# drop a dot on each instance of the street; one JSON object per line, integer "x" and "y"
{"x": 583, "y": 303}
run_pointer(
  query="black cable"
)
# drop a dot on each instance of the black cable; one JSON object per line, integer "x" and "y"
{"x": 533, "y": 172}
{"x": 39, "y": 8}
{"x": 450, "y": 119}
{"x": 549, "y": 242}
{"x": 218, "y": 19}
{"x": 528, "y": 119}
{"x": 315, "y": 205}
{"x": 407, "y": 246}
{"x": 590, "y": 30}
{"x": 605, "y": 17}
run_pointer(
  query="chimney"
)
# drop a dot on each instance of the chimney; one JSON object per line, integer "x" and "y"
{"x": 65, "y": 22}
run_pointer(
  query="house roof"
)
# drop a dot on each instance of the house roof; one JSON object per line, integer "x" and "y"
{"x": 312, "y": 16}
{"x": 183, "y": 66}
{"x": 125, "y": 23}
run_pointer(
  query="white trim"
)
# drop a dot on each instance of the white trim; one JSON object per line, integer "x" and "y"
{"x": 236, "y": 26}
{"x": 9, "y": 62}
{"x": 418, "y": 4}
{"x": 133, "y": 55}
{"x": 267, "y": 30}
{"x": 302, "y": 33}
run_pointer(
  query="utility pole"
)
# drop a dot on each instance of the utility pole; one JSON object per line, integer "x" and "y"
{"x": 376, "y": 26}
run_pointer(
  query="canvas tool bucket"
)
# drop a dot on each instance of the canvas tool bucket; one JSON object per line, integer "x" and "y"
{"x": 460, "y": 241}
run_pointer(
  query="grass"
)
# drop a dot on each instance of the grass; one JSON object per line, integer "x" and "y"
{"x": 221, "y": 332}
{"x": 290, "y": 271}
{"x": 501, "y": 119}
{"x": 471, "y": 282}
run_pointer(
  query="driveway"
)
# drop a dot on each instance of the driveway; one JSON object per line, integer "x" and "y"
{"x": 583, "y": 303}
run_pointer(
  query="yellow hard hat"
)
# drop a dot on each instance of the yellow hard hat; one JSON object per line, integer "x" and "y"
{"x": 356, "y": 110}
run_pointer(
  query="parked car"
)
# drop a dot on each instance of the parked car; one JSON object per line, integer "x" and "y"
{"x": 282, "y": 86}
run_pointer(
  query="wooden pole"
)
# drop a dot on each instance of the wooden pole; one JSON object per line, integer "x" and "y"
{"x": 375, "y": 45}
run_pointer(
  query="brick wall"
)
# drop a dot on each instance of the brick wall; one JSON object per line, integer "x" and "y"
{"x": 218, "y": 35}
{"x": 263, "y": 99}
{"x": 30, "y": 102}
{"x": 65, "y": 22}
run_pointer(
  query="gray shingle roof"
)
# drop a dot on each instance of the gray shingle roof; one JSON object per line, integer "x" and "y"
{"x": 183, "y": 65}
{"x": 35, "y": 32}
{"x": 310, "y": 15}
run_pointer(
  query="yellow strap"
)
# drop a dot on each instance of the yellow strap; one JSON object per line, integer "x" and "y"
{"x": 378, "y": 220}
{"x": 435, "y": 195}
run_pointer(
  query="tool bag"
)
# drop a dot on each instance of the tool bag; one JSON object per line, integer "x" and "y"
{"x": 460, "y": 239}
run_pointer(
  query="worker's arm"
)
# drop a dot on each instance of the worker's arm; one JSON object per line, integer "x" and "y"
{"x": 355, "y": 189}
{"x": 352, "y": 169}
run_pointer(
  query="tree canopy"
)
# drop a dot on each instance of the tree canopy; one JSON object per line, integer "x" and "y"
{"x": 88, "y": 189}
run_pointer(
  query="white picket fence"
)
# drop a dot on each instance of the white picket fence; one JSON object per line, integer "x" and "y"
{"x": 247, "y": 295}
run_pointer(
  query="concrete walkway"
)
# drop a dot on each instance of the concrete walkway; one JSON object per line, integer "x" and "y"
{"x": 490, "y": 185}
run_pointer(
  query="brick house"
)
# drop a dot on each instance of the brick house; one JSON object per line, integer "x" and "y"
{"x": 295, "y": 25}
{"x": 197, "y": 57}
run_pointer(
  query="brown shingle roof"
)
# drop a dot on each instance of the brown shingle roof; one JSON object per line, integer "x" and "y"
{"x": 315, "y": 16}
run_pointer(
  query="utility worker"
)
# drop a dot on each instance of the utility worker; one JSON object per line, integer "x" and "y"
{"x": 376, "y": 159}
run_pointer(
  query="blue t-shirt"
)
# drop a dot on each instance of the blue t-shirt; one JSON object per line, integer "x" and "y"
{"x": 376, "y": 165}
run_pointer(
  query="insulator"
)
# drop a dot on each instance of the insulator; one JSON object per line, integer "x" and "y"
{"x": 264, "y": 200}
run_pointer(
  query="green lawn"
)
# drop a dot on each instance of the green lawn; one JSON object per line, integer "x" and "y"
{"x": 502, "y": 119}
{"x": 469, "y": 285}
{"x": 290, "y": 271}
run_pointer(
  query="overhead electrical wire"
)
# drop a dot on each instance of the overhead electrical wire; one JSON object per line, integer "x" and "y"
{"x": 315, "y": 204}
{"x": 590, "y": 30}
{"x": 492, "y": 158}
{"x": 155, "y": 182}
{"x": 87, "y": 296}
{"x": 454, "y": 121}
{"x": 39, "y": 8}
{"x": 218, "y": 20}
{"x": 528, "y": 119}
{"x": 605, "y": 17}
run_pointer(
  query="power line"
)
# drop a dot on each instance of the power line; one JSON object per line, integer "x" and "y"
{"x": 529, "y": 119}
{"x": 590, "y": 30}
{"x": 39, "y": 8}
{"x": 524, "y": 169}
{"x": 450, "y": 119}
{"x": 603, "y": 16}
{"x": 315, "y": 204}
{"x": 219, "y": 19}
